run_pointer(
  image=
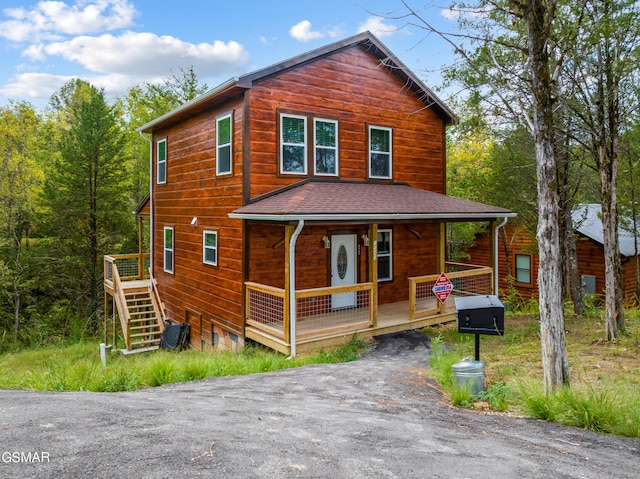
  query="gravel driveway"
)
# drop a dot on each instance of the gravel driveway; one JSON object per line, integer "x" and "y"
{"x": 377, "y": 417}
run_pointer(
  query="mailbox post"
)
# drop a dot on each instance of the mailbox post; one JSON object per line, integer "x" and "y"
{"x": 480, "y": 315}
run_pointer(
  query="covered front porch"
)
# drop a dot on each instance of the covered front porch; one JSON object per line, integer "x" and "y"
{"x": 316, "y": 324}
{"x": 325, "y": 260}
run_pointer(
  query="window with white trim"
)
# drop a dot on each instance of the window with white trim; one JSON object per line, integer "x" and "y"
{"x": 293, "y": 144}
{"x": 380, "y": 147}
{"x": 161, "y": 163}
{"x": 223, "y": 145}
{"x": 325, "y": 147}
{"x": 523, "y": 268}
{"x": 168, "y": 249}
{"x": 210, "y": 247}
{"x": 385, "y": 266}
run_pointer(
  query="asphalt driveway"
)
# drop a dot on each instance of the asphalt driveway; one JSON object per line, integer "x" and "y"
{"x": 377, "y": 417}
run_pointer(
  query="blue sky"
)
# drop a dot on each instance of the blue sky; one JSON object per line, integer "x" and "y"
{"x": 115, "y": 44}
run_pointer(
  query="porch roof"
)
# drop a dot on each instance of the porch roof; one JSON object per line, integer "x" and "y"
{"x": 314, "y": 200}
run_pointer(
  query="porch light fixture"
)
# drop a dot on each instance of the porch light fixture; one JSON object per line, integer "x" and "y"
{"x": 327, "y": 242}
{"x": 365, "y": 240}
{"x": 194, "y": 221}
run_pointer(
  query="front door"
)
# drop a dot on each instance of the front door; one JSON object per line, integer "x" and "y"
{"x": 343, "y": 268}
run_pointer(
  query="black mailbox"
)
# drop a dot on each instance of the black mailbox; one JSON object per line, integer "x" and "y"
{"x": 480, "y": 315}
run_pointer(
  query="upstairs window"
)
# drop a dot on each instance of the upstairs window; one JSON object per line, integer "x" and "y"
{"x": 223, "y": 145}
{"x": 168, "y": 249}
{"x": 379, "y": 152}
{"x": 326, "y": 147}
{"x": 161, "y": 155}
{"x": 293, "y": 146}
{"x": 210, "y": 247}
{"x": 523, "y": 268}
{"x": 385, "y": 267}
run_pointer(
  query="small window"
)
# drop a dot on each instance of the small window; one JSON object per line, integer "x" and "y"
{"x": 385, "y": 269}
{"x": 210, "y": 247}
{"x": 379, "y": 152}
{"x": 293, "y": 147}
{"x": 168, "y": 249}
{"x": 326, "y": 147}
{"x": 523, "y": 268}
{"x": 223, "y": 145}
{"x": 161, "y": 155}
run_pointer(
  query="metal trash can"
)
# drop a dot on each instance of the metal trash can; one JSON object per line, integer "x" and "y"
{"x": 469, "y": 374}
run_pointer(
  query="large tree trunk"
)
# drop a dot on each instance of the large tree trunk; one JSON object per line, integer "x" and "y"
{"x": 539, "y": 17}
{"x": 614, "y": 312}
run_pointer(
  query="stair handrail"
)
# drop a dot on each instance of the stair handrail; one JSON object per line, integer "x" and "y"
{"x": 121, "y": 304}
{"x": 158, "y": 305}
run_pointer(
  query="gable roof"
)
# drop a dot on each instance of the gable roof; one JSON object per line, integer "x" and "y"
{"x": 335, "y": 200}
{"x": 235, "y": 86}
{"x": 587, "y": 220}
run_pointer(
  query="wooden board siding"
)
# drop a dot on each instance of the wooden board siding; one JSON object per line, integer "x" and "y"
{"x": 192, "y": 191}
{"x": 349, "y": 86}
{"x": 518, "y": 241}
{"x": 412, "y": 256}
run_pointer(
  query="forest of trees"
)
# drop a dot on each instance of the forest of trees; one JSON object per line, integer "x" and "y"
{"x": 548, "y": 101}
{"x": 70, "y": 176}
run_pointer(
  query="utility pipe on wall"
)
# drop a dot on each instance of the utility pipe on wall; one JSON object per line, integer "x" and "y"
{"x": 150, "y": 141}
{"x": 292, "y": 287}
{"x": 495, "y": 256}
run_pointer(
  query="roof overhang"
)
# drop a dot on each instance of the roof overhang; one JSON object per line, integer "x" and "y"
{"x": 369, "y": 218}
{"x": 363, "y": 202}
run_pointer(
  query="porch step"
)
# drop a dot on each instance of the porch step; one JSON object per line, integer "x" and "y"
{"x": 144, "y": 332}
{"x": 139, "y": 350}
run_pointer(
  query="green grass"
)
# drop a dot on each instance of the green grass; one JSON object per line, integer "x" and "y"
{"x": 78, "y": 367}
{"x": 604, "y": 395}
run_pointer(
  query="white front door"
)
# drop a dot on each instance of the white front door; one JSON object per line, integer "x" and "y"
{"x": 343, "y": 268}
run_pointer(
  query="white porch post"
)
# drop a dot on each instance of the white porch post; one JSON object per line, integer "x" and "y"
{"x": 290, "y": 278}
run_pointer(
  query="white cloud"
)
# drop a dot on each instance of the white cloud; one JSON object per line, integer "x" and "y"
{"x": 377, "y": 26}
{"x": 118, "y": 62}
{"x": 142, "y": 55}
{"x": 50, "y": 20}
{"x": 34, "y": 85}
{"x": 302, "y": 32}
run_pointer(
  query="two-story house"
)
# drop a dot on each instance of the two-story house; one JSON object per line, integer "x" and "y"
{"x": 305, "y": 202}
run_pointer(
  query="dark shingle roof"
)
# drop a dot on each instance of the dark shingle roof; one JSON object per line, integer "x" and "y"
{"x": 342, "y": 200}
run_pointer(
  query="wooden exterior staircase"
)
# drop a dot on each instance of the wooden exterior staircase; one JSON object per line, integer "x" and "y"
{"x": 137, "y": 304}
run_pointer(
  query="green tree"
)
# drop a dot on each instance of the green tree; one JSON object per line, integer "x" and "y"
{"x": 144, "y": 103}
{"x": 20, "y": 181}
{"x": 86, "y": 189}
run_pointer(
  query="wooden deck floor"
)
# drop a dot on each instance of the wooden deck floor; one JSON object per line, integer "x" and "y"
{"x": 392, "y": 318}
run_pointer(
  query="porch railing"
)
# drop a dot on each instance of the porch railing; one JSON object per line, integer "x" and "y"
{"x": 325, "y": 312}
{"x": 468, "y": 280}
{"x": 130, "y": 266}
{"x": 316, "y": 311}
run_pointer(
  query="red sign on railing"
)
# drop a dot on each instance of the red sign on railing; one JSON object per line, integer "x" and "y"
{"x": 442, "y": 288}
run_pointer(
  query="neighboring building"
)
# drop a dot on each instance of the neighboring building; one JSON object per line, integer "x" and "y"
{"x": 518, "y": 255}
{"x": 305, "y": 202}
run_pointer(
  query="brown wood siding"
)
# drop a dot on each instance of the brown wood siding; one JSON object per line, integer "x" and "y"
{"x": 518, "y": 241}
{"x": 349, "y": 86}
{"x": 193, "y": 190}
{"x": 412, "y": 256}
